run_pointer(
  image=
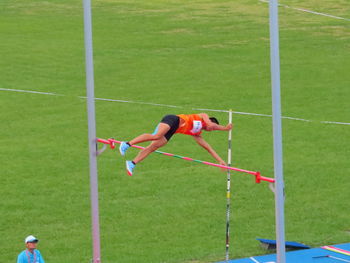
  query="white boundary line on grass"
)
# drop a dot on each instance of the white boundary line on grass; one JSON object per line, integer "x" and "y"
{"x": 31, "y": 91}
{"x": 135, "y": 102}
{"x": 173, "y": 106}
{"x": 309, "y": 11}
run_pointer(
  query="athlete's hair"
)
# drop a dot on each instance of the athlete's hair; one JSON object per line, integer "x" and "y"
{"x": 213, "y": 119}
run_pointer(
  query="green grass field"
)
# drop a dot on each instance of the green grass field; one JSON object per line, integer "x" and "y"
{"x": 191, "y": 54}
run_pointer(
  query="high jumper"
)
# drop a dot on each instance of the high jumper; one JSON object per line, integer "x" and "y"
{"x": 188, "y": 124}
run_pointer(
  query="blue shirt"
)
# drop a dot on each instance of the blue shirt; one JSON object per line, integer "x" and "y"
{"x": 25, "y": 255}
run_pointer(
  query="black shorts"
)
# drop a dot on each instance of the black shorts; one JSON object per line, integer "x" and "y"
{"x": 173, "y": 121}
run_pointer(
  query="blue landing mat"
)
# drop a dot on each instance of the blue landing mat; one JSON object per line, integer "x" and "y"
{"x": 313, "y": 255}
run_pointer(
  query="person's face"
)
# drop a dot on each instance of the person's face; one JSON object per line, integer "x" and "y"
{"x": 31, "y": 245}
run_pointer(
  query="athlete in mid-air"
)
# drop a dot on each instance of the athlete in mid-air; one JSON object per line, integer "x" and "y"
{"x": 189, "y": 124}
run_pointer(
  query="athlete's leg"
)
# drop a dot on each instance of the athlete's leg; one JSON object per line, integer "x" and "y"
{"x": 150, "y": 148}
{"x": 163, "y": 128}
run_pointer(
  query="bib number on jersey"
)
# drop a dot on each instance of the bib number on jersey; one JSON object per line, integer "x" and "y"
{"x": 197, "y": 127}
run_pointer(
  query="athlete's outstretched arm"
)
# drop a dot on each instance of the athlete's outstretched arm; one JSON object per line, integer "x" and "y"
{"x": 199, "y": 139}
{"x": 211, "y": 126}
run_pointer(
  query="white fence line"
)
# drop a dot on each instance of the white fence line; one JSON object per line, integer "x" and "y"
{"x": 174, "y": 106}
{"x": 309, "y": 11}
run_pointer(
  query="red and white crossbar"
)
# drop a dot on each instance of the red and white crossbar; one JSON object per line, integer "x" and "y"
{"x": 258, "y": 176}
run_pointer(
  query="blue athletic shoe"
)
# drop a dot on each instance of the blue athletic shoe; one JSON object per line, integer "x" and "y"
{"x": 130, "y": 167}
{"x": 123, "y": 147}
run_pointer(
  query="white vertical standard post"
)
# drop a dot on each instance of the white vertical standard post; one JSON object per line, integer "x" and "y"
{"x": 91, "y": 131}
{"x": 228, "y": 192}
{"x": 277, "y": 131}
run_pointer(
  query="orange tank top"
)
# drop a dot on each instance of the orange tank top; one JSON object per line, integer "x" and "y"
{"x": 193, "y": 124}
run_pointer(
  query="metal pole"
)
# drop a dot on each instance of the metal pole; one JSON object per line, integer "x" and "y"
{"x": 228, "y": 193}
{"x": 277, "y": 131}
{"x": 91, "y": 131}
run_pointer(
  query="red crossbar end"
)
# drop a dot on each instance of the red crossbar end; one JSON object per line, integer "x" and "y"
{"x": 257, "y": 178}
{"x": 111, "y": 143}
{"x": 102, "y": 141}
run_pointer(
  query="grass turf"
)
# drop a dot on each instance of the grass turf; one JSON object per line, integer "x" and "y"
{"x": 202, "y": 54}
